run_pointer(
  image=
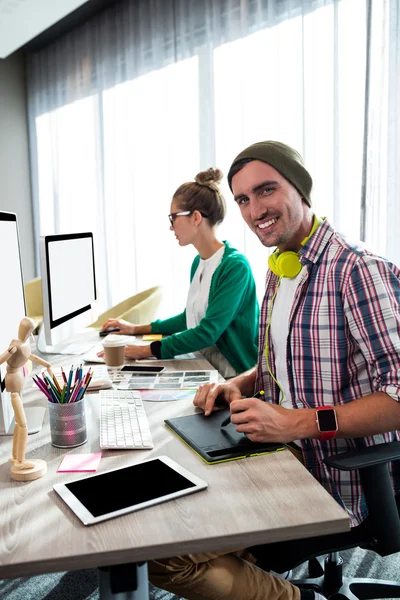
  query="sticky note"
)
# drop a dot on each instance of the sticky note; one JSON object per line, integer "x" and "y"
{"x": 80, "y": 462}
{"x": 152, "y": 337}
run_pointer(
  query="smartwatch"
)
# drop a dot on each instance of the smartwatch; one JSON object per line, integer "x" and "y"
{"x": 326, "y": 422}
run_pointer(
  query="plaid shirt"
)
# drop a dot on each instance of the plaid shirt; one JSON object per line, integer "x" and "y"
{"x": 343, "y": 344}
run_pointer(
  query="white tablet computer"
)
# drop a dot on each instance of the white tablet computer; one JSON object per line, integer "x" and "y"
{"x": 121, "y": 491}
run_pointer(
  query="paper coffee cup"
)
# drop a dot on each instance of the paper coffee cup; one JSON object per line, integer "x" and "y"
{"x": 114, "y": 352}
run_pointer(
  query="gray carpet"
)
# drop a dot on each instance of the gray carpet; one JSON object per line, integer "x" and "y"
{"x": 72, "y": 585}
{"x": 83, "y": 585}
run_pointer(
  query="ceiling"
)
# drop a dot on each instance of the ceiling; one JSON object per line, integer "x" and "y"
{"x": 24, "y": 20}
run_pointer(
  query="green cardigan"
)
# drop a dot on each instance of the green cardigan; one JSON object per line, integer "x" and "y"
{"x": 231, "y": 319}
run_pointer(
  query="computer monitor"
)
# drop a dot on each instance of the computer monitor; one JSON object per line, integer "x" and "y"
{"x": 12, "y": 310}
{"x": 69, "y": 291}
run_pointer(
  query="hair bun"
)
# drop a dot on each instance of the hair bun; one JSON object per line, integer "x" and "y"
{"x": 209, "y": 176}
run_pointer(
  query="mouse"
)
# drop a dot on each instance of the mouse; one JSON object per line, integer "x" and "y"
{"x": 107, "y": 331}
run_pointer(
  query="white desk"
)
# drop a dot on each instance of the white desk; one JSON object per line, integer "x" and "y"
{"x": 260, "y": 499}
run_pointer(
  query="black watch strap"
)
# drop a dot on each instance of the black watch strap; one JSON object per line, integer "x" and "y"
{"x": 155, "y": 348}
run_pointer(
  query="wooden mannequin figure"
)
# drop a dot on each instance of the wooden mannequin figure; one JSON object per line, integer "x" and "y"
{"x": 16, "y": 357}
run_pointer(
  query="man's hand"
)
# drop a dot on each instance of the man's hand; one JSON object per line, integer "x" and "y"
{"x": 125, "y": 328}
{"x": 264, "y": 422}
{"x": 207, "y": 395}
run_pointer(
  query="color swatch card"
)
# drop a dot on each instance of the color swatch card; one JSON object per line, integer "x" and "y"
{"x": 167, "y": 395}
{"x": 168, "y": 380}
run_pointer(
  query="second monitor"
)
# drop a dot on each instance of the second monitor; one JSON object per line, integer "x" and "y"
{"x": 69, "y": 291}
{"x": 12, "y": 310}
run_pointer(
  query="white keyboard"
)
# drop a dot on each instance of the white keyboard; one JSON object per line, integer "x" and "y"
{"x": 123, "y": 421}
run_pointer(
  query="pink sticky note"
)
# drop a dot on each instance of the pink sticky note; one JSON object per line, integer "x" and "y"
{"x": 79, "y": 462}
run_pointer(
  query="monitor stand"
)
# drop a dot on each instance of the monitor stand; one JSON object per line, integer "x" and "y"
{"x": 79, "y": 343}
{"x": 34, "y": 417}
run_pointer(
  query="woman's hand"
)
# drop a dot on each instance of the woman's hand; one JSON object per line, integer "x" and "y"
{"x": 125, "y": 328}
{"x": 136, "y": 352}
{"x": 208, "y": 394}
{"x": 133, "y": 352}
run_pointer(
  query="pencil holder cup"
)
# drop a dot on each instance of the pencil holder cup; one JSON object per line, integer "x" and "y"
{"x": 68, "y": 424}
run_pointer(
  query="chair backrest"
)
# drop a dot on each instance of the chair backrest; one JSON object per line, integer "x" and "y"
{"x": 145, "y": 310}
{"x": 140, "y": 308}
{"x": 33, "y": 298}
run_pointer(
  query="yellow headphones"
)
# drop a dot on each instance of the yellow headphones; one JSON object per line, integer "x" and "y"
{"x": 287, "y": 264}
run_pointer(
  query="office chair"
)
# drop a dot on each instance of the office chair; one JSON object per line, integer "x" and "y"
{"x": 140, "y": 308}
{"x": 34, "y": 300}
{"x": 380, "y": 532}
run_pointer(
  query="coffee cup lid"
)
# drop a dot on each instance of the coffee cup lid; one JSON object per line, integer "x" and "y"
{"x": 113, "y": 341}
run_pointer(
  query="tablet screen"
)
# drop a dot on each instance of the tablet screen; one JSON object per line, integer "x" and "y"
{"x": 117, "y": 492}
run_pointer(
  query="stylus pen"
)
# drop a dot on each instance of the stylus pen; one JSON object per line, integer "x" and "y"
{"x": 226, "y": 421}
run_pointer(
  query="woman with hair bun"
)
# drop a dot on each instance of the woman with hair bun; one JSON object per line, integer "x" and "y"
{"x": 221, "y": 314}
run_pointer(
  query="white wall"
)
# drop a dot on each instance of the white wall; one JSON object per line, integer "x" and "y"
{"x": 15, "y": 190}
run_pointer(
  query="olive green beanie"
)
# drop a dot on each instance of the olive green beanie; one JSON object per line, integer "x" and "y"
{"x": 284, "y": 159}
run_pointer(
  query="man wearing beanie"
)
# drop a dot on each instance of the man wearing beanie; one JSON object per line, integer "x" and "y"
{"x": 328, "y": 365}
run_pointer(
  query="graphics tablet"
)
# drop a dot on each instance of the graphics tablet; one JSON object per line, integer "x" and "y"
{"x": 120, "y": 491}
{"x": 215, "y": 443}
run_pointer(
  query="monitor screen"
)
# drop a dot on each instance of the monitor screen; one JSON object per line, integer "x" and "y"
{"x": 68, "y": 285}
{"x": 12, "y": 303}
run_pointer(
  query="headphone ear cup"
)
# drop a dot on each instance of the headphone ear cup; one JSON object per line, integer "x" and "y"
{"x": 288, "y": 264}
{"x": 272, "y": 263}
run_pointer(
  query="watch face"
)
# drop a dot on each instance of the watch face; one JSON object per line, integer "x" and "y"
{"x": 327, "y": 420}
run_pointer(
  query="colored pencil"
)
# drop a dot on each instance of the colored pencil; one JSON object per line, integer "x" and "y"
{"x": 55, "y": 381}
{"x": 54, "y": 389}
{"x": 88, "y": 381}
{"x": 63, "y": 394}
{"x": 42, "y": 389}
{"x": 67, "y": 393}
{"x": 77, "y": 389}
{"x": 63, "y": 375}
{"x": 52, "y": 394}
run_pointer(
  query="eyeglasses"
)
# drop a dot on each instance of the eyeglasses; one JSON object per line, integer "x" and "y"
{"x": 184, "y": 213}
